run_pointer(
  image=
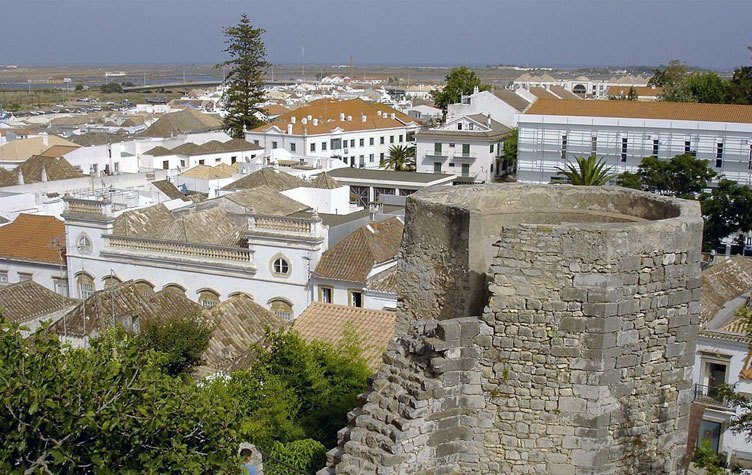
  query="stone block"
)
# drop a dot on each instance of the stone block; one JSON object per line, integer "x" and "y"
{"x": 599, "y": 309}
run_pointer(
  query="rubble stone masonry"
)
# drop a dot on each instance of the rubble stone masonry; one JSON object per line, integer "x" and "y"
{"x": 543, "y": 329}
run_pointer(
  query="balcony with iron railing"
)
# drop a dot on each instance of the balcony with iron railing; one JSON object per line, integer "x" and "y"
{"x": 710, "y": 396}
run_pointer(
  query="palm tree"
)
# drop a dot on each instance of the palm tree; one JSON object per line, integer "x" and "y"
{"x": 590, "y": 171}
{"x": 401, "y": 158}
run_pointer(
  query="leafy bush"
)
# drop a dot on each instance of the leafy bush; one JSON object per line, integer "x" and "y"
{"x": 182, "y": 339}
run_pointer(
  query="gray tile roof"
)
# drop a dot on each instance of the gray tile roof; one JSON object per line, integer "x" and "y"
{"x": 385, "y": 175}
{"x": 28, "y": 300}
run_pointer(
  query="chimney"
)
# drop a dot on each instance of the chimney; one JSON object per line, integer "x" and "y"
{"x": 349, "y": 118}
{"x": 488, "y": 120}
{"x": 476, "y": 90}
{"x": 394, "y": 116}
{"x": 309, "y": 117}
{"x": 378, "y": 113}
{"x": 341, "y": 116}
{"x": 289, "y": 129}
{"x": 20, "y": 176}
{"x": 304, "y": 121}
{"x": 315, "y": 122}
{"x": 363, "y": 118}
{"x": 46, "y": 140}
{"x": 292, "y": 119}
{"x": 44, "y": 174}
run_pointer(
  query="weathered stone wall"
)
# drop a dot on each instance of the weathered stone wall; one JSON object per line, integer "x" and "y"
{"x": 580, "y": 361}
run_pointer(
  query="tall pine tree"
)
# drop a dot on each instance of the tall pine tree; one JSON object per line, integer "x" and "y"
{"x": 245, "y": 80}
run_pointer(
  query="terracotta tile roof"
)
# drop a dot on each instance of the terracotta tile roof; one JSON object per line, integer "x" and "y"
{"x": 327, "y": 113}
{"x": 205, "y": 172}
{"x": 240, "y": 322}
{"x": 21, "y": 149}
{"x": 542, "y": 93}
{"x": 57, "y": 151}
{"x": 28, "y": 300}
{"x": 327, "y": 322}
{"x": 642, "y": 91}
{"x": 387, "y": 282}
{"x": 511, "y": 98}
{"x": 563, "y": 93}
{"x": 325, "y": 182}
{"x": 55, "y": 169}
{"x": 645, "y": 110}
{"x": 34, "y": 238}
{"x": 277, "y": 180}
{"x": 722, "y": 283}
{"x": 353, "y": 258}
{"x": 8, "y": 178}
{"x": 274, "y": 109}
{"x": 496, "y": 130}
{"x": 267, "y": 201}
{"x": 169, "y": 189}
{"x": 182, "y": 122}
{"x": 122, "y": 303}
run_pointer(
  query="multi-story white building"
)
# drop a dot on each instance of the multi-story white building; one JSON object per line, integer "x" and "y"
{"x": 358, "y": 132}
{"x": 245, "y": 242}
{"x": 583, "y": 86}
{"x": 471, "y": 147}
{"x": 553, "y": 132}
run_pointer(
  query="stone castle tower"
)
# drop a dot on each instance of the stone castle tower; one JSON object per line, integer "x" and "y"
{"x": 544, "y": 329}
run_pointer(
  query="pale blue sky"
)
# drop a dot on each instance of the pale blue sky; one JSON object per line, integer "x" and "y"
{"x": 710, "y": 33}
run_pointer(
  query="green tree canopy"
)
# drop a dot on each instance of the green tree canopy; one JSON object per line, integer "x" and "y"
{"x": 727, "y": 210}
{"x": 510, "y": 148}
{"x": 587, "y": 171}
{"x": 182, "y": 339}
{"x": 400, "y": 158}
{"x": 669, "y": 75}
{"x": 111, "y": 88}
{"x": 706, "y": 87}
{"x": 460, "y": 81}
{"x": 108, "y": 409}
{"x": 742, "y": 83}
{"x": 245, "y": 80}
{"x": 684, "y": 176}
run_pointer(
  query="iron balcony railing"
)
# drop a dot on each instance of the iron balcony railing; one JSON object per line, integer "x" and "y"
{"x": 710, "y": 396}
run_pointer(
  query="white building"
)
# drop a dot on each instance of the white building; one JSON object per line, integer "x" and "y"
{"x": 624, "y": 132}
{"x": 583, "y": 86}
{"x": 471, "y": 147}
{"x": 358, "y": 132}
{"x": 357, "y": 270}
{"x": 722, "y": 357}
{"x": 189, "y": 155}
{"x": 256, "y": 241}
{"x": 504, "y": 106}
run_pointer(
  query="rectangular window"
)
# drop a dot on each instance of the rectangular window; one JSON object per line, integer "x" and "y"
{"x": 200, "y": 162}
{"x": 400, "y": 138}
{"x": 466, "y": 149}
{"x": 352, "y": 143}
{"x": 166, "y": 165}
{"x": 437, "y": 148}
{"x": 3, "y": 276}
{"x": 370, "y": 158}
{"x": 655, "y": 147}
{"x": 325, "y": 294}
{"x": 362, "y": 161}
{"x": 451, "y": 145}
{"x": 563, "y": 147}
{"x": 719, "y": 155}
{"x": 437, "y": 167}
{"x": 381, "y": 158}
{"x": 217, "y": 160}
{"x": 465, "y": 169}
{"x": 117, "y": 166}
{"x": 362, "y": 142}
{"x": 233, "y": 160}
{"x": 391, "y": 139}
{"x": 356, "y": 298}
{"x": 381, "y": 140}
{"x": 60, "y": 286}
{"x": 624, "y": 144}
{"x": 490, "y": 148}
{"x": 336, "y": 144}
{"x": 749, "y": 166}
{"x": 594, "y": 144}
{"x": 256, "y": 142}
{"x": 274, "y": 145}
{"x": 182, "y": 163}
{"x": 410, "y": 136}
{"x": 23, "y": 276}
{"x": 293, "y": 147}
{"x": 323, "y": 146}
{"x": 313, "y": 147}
{"x": 459, "y": 125}
{"x": 688, "y": 148}
{"x": 371, "y": 141}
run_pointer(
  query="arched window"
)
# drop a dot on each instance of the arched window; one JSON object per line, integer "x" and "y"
{"x": 83, "y": 244}
{"x": 208, "y": 298}
{"x": 110, "y": 281}
{"x": 86, "y": 286}
{"x": 280, "y": 266}
{"x": 281, "y": 308}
